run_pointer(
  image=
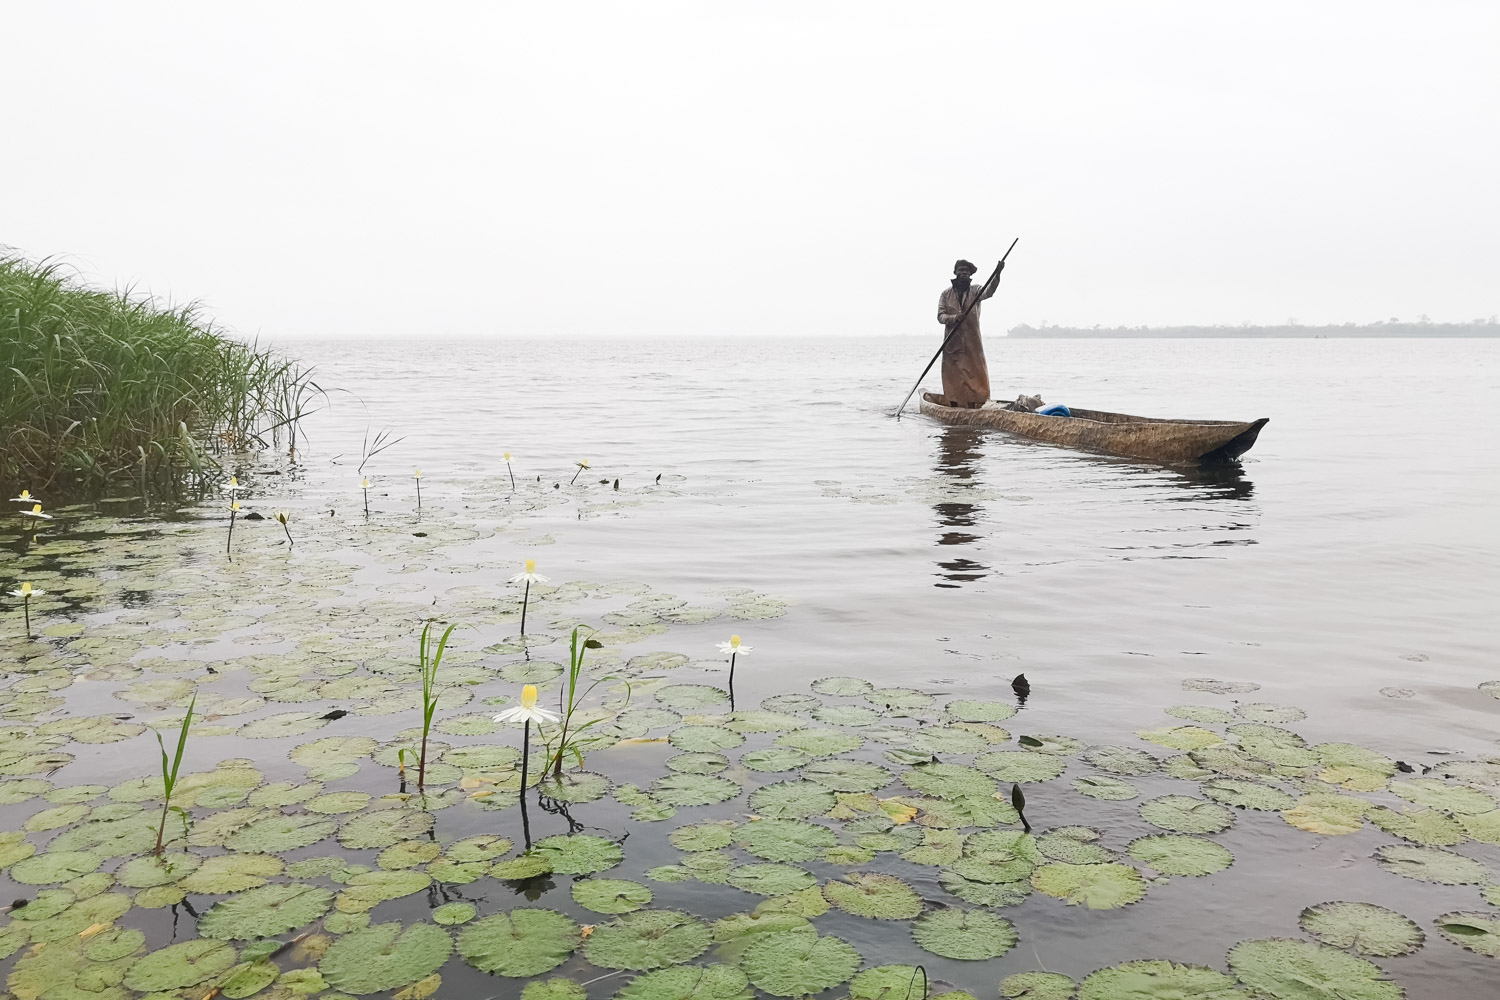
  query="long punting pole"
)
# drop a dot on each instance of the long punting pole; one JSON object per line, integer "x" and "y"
{"x": 971, "y": 305}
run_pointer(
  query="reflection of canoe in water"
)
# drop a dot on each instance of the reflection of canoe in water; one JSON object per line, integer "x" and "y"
{"x": 1113, "y": 433}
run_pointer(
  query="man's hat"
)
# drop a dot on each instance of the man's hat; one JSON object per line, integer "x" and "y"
{"x": 962, "y": 264}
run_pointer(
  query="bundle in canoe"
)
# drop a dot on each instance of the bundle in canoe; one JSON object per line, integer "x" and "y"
{"x": 1157, "y": 440}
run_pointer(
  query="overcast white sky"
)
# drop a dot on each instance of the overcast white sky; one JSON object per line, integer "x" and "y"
{"x": 524, "y": 169}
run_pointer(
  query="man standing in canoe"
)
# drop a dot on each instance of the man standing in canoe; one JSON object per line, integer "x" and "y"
{"x": 966, "y": 378}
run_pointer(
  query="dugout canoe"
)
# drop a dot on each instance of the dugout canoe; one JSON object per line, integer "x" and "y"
{"x": 1151, "y": 438}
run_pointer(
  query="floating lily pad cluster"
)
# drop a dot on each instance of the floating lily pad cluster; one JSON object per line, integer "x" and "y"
{"x": 315, "y": 867}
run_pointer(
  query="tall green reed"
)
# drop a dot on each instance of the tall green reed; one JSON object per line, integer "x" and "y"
{"x": 169, "y": 775}
{"x": 568, "y": 741}
{"x": 429, "y": 660}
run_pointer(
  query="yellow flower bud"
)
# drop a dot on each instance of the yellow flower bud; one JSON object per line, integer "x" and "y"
{"x": 531, "y": 565}
{"x": 528, "y": 696}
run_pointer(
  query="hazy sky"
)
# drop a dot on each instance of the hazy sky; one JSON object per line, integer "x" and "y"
{"x": 728, "y": 169}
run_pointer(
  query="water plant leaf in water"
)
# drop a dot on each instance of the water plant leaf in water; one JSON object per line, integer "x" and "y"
{"x": 1175, "y": 854}
{"x": 848, "y": 775}
{"x": 1264, "y": 711}
{"x": 964, "y": 934}
{"x": 1423, "y": 826}
{"x": 697, "y": 762}
{"x": 1157, "y": 980}
{"x": 799, "y": 963}
{"x": 265, "y": 912}
{"x": 1074, "y": 844}
{"x": 1430, "y": 864}
{"x": 1037, "y": 986}
{"x": 771, "y": 879}
{"x": 54, "y": 866}
{"x": 1120, "y": 760}
{"x": 1362, "y": 927}
{"x": 384, "y": 956}
{"x": 704, "y": 739}
{"x": 874, "y": 895}
{"x": 1478, "y": 932}
{"x": 784, "y": 839}
{"x": 949, "y": 781}
{"x": 579, "y": 853}
{"x": 384, "y": 827}
{"x": 1327, "y": 813}
{"x": 820, "y": 742}
{"x": 524, "y": 942}
{"x": 689, "y": 982}
{"x": 186, "y": 963}
{"x": 247, "y": 979}
{"x": 408, "y": 854}
{"x": 1200, "y": 713}
{"x": 1435, "y": 794}
{"x": 647, "y": 939}
{"x": 368, "y": 889}
{"x": 1245, "y": 794}
{"x": 842, "y": 687}
{"x": 1186, "y": 738}
{"x": 275, "y": 834}
{"x": 1285, "y": 969}
{"x": 702, "y": 836}
{"x": 232, "y": 873}
{"x": 1098, "y": 786}
{"x": 693, "y": 789}
{"x": 1186, "y": 814}
{"x": 1099, "y": 887}
{"x": 453, "y": 914}
{"x": 889, "y": 982}
{"x": 610, "y": 895}
{"x": 522, "y": 867}
{"x": 792, "y": 800}
{"x": 1020, "y": 765}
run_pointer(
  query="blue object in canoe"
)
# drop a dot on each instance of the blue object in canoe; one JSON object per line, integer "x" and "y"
{"x": 1055, "y": 410}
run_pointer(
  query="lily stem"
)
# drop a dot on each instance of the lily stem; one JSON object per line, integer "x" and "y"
{"x": 230, "y": 540}
{"x": 525, "y": 598}
{"x": 26, "y": 610}
{"x": 512, "y": 477}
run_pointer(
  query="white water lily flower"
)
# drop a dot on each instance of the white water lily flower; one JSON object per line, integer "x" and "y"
{"x": 507, "y": 458}
{"x": 733, "y": 646}
{"x": 36, "y": 511}
{"x": 283, "y": 516}
{"x": 527, "y": 710}
{"x": 27, "y": 590}
{"x": 25, "y": 497}
{"x": 416, "y": 473}
{"x": 530, "y": 576}
{"x": 364, "y": 484}
{"x": 234, "y": 506}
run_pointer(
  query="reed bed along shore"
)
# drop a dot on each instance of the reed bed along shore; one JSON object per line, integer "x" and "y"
{"x": 99, "y": 386}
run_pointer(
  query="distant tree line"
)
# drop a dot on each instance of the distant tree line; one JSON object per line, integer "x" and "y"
{"x": 1393, "y": 327}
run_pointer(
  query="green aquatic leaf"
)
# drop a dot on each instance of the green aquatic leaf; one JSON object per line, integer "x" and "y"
{"x": 286, "y": 724}
{"x": 1103, "y": 787}
{"x": 969, "y": 710}
{"x": 176, "y": 966}
{"x": 1264, "y": 711}
{"x": 1232, "y": 762}
{"x": 889, "y": 982}
{"x": 693, "y": 789}
{"x": 157, "y": 896}
{"x": 1327, "y": 813}
{"x": 247, "y": 979}
{"x": 408, "y": 854}
{"x": 1099, "y": 887}
{"x": 1244, "y": 794}
{"x": 453, "y": 914}
{"x": 313, "y": 867}
{"x": 848, "y": 775}
{"x": 691, "y": 697}
{"x": 1362, "y": 927}
{"x": 1435, "y": 794}
{"x": 764, "y": 722}
{"x": 1119, "y": 760}
{"x": 1430, "y": 864}
{"x": 265, "y": 912}
{"x": 368, "y": 889}
{"x": 702, "y": 836}
{"x": 1020, "y": 765}
{"x": 521, "y": 867}
{"x": 384, "y": 827}
{"x": 874, "y": 895}
{"x": 1200, "y": 713}
{"x": 932, "y": 740}
{"x": 1185, "y": 738}
{"x": 483, "y": 758}
{"x": 972, "y": 935}
{"x": 775, "y": 759}
{"x": 949, "y": 781}
{"x": 344, "y": 923}
{"x": 14, "y": 847}
{"x": 784, "y": 839}
{"x": 579, "y": 853}
{"x": 771, "y": 879}
{"x": 938, "y": 847}
{"x": 284, "y": 793}
{"x": 481, "y": 847}
{"x": 1422, "y": 826}
{"x": 688, "y": 982}
{"x": 54, "y": 866}
{"x": 574, "y": 786}
{"x": 791, "y": 800}
{"x": 846, "y": 715}
{"x": 55, "y": 818}
{"x": 384, "y": 957}
{"x": 1076, "y": 845}
{"x": 1042, "y": 986}
{"x": 1483, "y": 827}
{"x": 1182, "y": 766}
{"x": 1285, "y": 969}
{"x": 1353, "y": 779}
{"x": 705, "y": 739}
{"x": 843, "y": 687}
{"x": 738, "y": 931}
{"x": 114, "y": 943}
{"x": 1477, "y": 932}
{"x": 610, "y": 895}
{"x": 1186, "y": 814}
{"x": 278, "y": 833}
{"x": 1175, "y": 854}
{"x": 647, "y": 939}
{"x": 1157, "y": 980}
{"x": 694, "y": 762}
{"x": 820, "y": 742}
{"x": 798, "y": 962}
{"x": 337, "y": 803}
{"x": 231, "y": 873}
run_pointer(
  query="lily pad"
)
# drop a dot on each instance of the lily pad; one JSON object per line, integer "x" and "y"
{"x": 580, "y": 853}
{"x": 1186, "y": 738}
{"x": 1362, "y": 927}
{"x": 275, "y": 834}
{"x": 702, "y": 837}
{"x": 54, "y": 866}
{"x": 366, "y": 890}
{"x": 1020, "y": 765}
{"x": 798, "y": 963}
{"x": 1076, "y": 845}
{"x": 1435, "y": 794}
{"x": 384, "y": 827}
{"x": 1326, "y": 813}
{"x": 610, "y": 895}
{"x": 889, "y": 982}
{"x": 647, "y": 939}
{"x": 1478, "y": 932}
{"x": 452, "y": 914}
{"x": 1175, "y": 854}
{"x": 1039, "y": 986}
{"x": 231, "y": 873}
{"x": 842, "y": 687}
{"x": 820, "y": 742}
{"x": 1286, "y": 969}
{"x": 771, "y": 879}
{"x": 1244, "y": 794}
{"x": 784, "y": 839}
{"x": 693, "y": 789}
{"x": 1157, "y": 980}
{"x": 1422, "y": 826}
{"x": 524, "y": 942}
{"x": 874, "y": 895}
{"x": 1430, "y": 864}
{"x": 265, "y": 912}
{"x": 971, "y": 935}
{"x": 792, "y": 800}
{"x": 1099, "y": 887}
{"x": 704, "y": 739}
{"x": 848, "y": 775}
{"x": 176, "y": 966}
{"x": 949, "y": 781}
{"x": 688, "y": 982}
{"x": 1186, "y": 814}
{"x": 384, "y": 957}
{"x": 1120, "y": 760}
{"x": 1097, "y": 786}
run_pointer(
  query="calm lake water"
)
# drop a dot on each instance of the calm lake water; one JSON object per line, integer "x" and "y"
{"x": 1350, "y": 568}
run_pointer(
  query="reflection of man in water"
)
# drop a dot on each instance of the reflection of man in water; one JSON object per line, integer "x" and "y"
{"x": 966, "y": 378}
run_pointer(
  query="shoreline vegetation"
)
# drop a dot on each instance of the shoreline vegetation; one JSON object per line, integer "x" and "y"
{"x": 98, "y": 386}
{"x": 1390, "y": 328}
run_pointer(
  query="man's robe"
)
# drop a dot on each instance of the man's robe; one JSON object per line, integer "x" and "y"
{"x": 966, "y": 377}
